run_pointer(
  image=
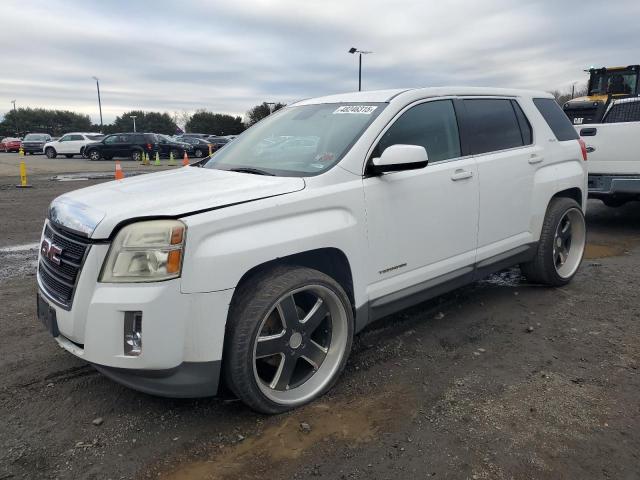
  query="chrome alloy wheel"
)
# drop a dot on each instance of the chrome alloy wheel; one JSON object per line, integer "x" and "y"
{"x": 568, "y": 243}
{"x": 300, "y": 345}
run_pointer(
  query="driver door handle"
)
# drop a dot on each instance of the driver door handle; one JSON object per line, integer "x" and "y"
{"x": 461, "y": 175}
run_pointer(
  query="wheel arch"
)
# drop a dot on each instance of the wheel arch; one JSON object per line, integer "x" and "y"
{"x": 573, "y": 193}
{"x": 331, "y": 261}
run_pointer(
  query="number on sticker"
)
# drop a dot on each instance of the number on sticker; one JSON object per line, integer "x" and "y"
{"x": 362, "y": 109}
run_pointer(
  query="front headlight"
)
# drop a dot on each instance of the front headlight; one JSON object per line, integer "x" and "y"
{"x": 149, "y": 251}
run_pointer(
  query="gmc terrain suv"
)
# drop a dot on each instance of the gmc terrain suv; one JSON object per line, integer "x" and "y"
{"x": 259, "y": 268}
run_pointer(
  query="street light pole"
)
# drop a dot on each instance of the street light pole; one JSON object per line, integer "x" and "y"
{"x": 99, "y": 102}
{"x": 354, "y": 50}
{"x": 134, "y": 122}
{"x": 271, "y": 105}
{"x": 15, "y": 117}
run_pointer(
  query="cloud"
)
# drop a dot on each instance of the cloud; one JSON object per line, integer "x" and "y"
{"x": 228, "y": 56}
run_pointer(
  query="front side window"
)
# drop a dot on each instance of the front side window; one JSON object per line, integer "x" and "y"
{"x": 493, "y": 125}
{"x": 298, "y": 141}
{"x": 431, "y": 125}
{"x": 66, "y": 138}
{"x": 111, "y": 139}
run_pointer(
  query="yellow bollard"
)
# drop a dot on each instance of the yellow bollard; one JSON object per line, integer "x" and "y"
{"x": 23, "y": 175}
{"x": 21, "y": 151}
{"x": 210, "y": 151}
{"x": 172, "y": 160}
{"x": 157, "y": 163}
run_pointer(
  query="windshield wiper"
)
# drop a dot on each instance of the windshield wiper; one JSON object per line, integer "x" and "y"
{"x": 254, "y": 171}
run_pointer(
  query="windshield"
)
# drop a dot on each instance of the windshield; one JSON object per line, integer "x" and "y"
{"x": 33, "y": 136}
{"x": 298, "y": 141}
{"x": 615, "y": 83}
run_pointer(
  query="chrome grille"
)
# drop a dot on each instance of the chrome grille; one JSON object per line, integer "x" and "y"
{"x": 59, "y": 280}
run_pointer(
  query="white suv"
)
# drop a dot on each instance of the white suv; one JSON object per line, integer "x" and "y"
{"x": 70, "y": 144}
{"x": 261, "y": 266}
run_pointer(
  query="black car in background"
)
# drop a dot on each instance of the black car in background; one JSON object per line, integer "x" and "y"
{"x": 200, "y": 146}
{"x": 131, "y": 145}
{"x": 218, "y": 142}
{"x": 34, "y": 142}
{"x": 168, "y": 145}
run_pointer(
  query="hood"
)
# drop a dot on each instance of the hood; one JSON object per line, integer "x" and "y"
{"x": 95, "y": 211}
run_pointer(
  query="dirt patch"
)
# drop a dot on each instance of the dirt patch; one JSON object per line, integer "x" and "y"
{"x": 345, "y": 422}
{"x": 594, "y": 250}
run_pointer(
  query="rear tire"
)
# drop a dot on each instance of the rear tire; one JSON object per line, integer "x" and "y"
{"x": 289, "y": 335}
{"x": 561, "y": 245}
{"x": 50, "y": 153}
{"x": 136, "y": 155}
{"x": 198, "y": 153}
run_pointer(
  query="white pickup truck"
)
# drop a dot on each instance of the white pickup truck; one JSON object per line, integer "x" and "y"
{"x": 614, "y": 153}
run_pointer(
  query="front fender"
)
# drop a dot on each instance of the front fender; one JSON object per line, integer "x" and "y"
{"x": 225, "y": 244}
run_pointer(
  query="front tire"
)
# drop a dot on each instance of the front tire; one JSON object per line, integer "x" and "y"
{"x": 198, "y": 153}
{"x": 93, "y": 155}
{"x": 289, "y": 335}
{"x": 561, "y": 245}
{"x": 50, "y": 153}
{"x": 136, "y": 155}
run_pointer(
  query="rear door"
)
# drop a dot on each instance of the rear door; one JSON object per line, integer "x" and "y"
{"x": 75, "y": 143}
{"x": 613, "y": 146}
{"x": 500, "y": 138}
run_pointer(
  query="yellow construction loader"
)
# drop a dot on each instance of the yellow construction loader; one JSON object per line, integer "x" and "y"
{"x": 605, "y": 84}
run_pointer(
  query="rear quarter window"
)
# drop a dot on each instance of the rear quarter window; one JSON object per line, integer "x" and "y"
{"x": 556, "y": 119}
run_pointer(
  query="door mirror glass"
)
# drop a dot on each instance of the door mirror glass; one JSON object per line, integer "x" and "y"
{"x": 400, "y": 157}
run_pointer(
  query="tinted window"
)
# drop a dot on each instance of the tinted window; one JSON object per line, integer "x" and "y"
{"x": 431, "y": 125}
{"x": 556, "y": 118}
{"x": 493, "y": 125}
{"x": 111, "y": 139}
{"x": 66, "y": 138}
{"x": 623, "y": 112}
{"x": 525, "y": 126}
{"x": 76, "y": 137}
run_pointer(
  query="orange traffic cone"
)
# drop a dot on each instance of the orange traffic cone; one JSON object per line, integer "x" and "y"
{"x": 119, "y": 173}
{"x": 185, "y": 160}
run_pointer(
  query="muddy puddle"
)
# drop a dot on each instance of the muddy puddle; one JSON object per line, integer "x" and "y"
{"x": 286, "y": 439}
{"x": 18, "y": 261}
{"x": 612, "y": 249}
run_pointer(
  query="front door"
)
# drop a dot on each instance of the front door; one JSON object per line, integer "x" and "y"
{"x": 422, "y": 224}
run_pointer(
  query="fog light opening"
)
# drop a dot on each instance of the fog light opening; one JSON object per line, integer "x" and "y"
{"x": 132, "y": 333}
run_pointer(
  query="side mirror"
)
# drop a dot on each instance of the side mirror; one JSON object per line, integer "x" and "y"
{"x": 400, "y": 157}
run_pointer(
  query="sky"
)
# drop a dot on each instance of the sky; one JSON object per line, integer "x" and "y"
{"x": 226, "y": 56}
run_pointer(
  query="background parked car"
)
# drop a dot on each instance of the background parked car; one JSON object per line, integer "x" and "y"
{"x": 131, "y": 145}
{"x": 71, "y": 144}
{"x": 217, "y": 142}
{"x": 34, "y": 142}
{"x": 10, "y": 144}
{"x": 166, "y": 145}
{"x": 200, "y": 146}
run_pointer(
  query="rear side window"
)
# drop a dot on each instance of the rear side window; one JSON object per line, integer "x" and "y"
{"x": 431, "y": 125}
{"x": 493, "y": 125}
{"x": 623, "y": 112}
{"x": 556, "y": 119}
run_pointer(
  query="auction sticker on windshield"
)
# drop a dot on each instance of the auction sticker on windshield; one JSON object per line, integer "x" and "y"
{"x": 363, "y": 109}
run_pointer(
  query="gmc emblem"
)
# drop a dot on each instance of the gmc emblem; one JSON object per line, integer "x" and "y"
{"x": 51, "y": 251}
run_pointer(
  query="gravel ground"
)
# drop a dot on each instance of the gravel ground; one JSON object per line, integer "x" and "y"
{"x": 498, "y": 380}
